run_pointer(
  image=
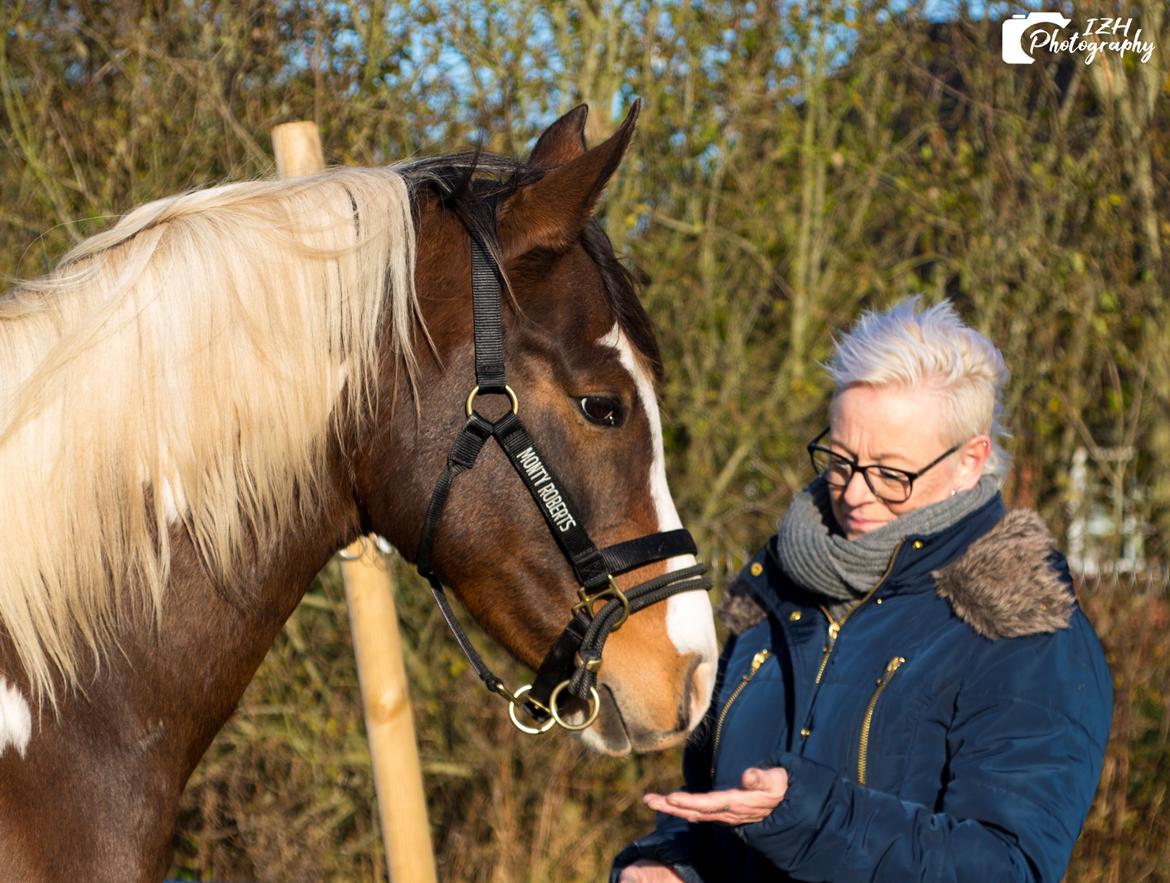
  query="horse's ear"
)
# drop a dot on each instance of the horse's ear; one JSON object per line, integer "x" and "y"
{"x": 563, "y": 141}
{"x": 552, "y": 212}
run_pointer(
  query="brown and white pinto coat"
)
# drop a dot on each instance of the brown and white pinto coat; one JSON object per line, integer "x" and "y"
{"x": 89, "y": 790}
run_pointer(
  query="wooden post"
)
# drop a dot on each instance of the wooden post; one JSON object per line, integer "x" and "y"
{"x": 377, "y": 645}
{"x": 398, "y": 780}
{"x": 298, "y": 149}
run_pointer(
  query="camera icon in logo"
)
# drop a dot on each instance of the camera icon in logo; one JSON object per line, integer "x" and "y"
{"x": 1013, "y": 33}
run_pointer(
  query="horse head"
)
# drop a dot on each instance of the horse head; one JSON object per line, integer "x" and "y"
{"x": 582, "y": 359}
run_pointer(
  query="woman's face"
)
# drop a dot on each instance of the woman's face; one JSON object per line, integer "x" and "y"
{"x": 902, "y": 428}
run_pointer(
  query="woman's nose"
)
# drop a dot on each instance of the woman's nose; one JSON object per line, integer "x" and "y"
{"x": 856, "y": 490}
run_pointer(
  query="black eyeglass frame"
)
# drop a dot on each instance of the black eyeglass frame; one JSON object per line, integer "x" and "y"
{"x": 854, "y": 467}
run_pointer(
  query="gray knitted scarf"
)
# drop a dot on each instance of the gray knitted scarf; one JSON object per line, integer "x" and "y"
{"x": 817, "y": 556}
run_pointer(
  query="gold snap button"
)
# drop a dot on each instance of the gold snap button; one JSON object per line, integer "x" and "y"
{"x": 879, "y": 600}
{"x": 757, "y": 568}
{"x": 794, "y": 616}
{"x": 918, "y": 544}
{"x": 805, "y": 733}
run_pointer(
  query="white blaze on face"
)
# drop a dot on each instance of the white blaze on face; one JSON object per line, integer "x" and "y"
{"x": 15, "y": 719}
{"x": 689, "y": 621}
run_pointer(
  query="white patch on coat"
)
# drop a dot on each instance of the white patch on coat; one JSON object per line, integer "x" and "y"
{"x": 173, "y": 499}
{"x": 15, "y": 719}
{"x": 689, "y": 619}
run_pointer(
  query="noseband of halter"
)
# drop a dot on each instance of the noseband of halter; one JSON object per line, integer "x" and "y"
{"x": 573, "y": 661}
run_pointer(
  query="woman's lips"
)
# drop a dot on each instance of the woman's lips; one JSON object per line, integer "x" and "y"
{"x": 857, "y": 523}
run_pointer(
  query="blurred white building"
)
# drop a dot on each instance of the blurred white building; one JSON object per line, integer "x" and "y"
{"x": 1106, "y": 535}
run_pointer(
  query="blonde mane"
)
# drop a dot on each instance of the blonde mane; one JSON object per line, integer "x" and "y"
{"x": 184, "y": 366}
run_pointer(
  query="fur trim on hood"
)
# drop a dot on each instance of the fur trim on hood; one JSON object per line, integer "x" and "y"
{"x": 1003, "y": 586}
{"x": 738, "y": 610}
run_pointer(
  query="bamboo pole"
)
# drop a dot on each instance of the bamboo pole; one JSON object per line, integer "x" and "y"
{"x": 377, "y": 644}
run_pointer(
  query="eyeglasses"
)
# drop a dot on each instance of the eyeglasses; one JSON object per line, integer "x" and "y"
{"x": 887, "y": 483}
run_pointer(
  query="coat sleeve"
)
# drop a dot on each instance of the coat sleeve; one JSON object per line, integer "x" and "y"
{"x": 1026, "y": 745}
{"x": 673, "y": 841}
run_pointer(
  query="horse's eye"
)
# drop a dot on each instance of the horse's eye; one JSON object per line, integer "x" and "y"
{"x": 602, "y": 410}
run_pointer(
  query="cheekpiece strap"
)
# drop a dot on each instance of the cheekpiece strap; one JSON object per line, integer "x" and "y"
{"x": 462, "y": 457}
{"x": 554, "y": 503}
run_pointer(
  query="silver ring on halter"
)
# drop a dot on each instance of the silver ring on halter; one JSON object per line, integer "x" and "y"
{"x": 346, "y": 555}
{"x": 524, "y": 728}
{"x": 508, "y": 391}
{"x": 594, "y": 701}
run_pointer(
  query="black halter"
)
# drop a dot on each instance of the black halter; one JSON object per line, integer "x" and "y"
{"x": 574, "y": 659}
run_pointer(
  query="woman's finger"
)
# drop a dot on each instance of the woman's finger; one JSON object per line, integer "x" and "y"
{"x": 721, "y": 801}
{"x": 646, "y": 871}
{"x": 731, "y": 807}
{"x": 772, "y": 781}
{"x": 712, "y": 801}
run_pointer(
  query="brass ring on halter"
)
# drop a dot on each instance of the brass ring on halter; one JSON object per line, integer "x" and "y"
{"x": 508, "y": 391}
{"x": 524, "y": 728}
{"x": 595, "y": 706}
{"x": 612, "y": 591}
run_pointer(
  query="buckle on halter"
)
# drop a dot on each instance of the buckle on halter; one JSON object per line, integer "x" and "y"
{"x": 591, "y": 664}
{"x": 611, "y": 592}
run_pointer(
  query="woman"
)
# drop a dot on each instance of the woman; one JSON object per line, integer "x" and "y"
{"x": 910, "y": 691}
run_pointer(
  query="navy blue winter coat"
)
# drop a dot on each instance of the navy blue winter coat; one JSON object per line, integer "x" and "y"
{"x": 951, "y": 727}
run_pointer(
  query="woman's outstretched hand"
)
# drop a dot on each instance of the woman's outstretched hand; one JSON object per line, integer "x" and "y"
{"x": 643, "y": 871}
{"x": 762, "y": 791}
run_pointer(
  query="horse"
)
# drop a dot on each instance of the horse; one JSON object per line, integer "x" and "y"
{"x": 202, "y": 404}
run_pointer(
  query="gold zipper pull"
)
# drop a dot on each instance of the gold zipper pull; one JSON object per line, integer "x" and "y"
{"x": 892, "y": 666}
{"x": 867, "y": 722}
{"x": 757, "y": 661}
{"x": 827, "y": 650}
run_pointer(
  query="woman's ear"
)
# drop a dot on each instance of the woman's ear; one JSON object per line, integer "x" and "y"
{"x": 551, "y": 212}
{"x": 973, "y": 458}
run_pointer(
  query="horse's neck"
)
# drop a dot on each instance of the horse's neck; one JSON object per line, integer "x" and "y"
{"x": 211, "y": 642}
{"x": 125, "y": 745}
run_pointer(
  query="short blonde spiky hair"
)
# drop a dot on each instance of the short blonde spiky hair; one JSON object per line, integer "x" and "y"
{"x": 932, "y": 347}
